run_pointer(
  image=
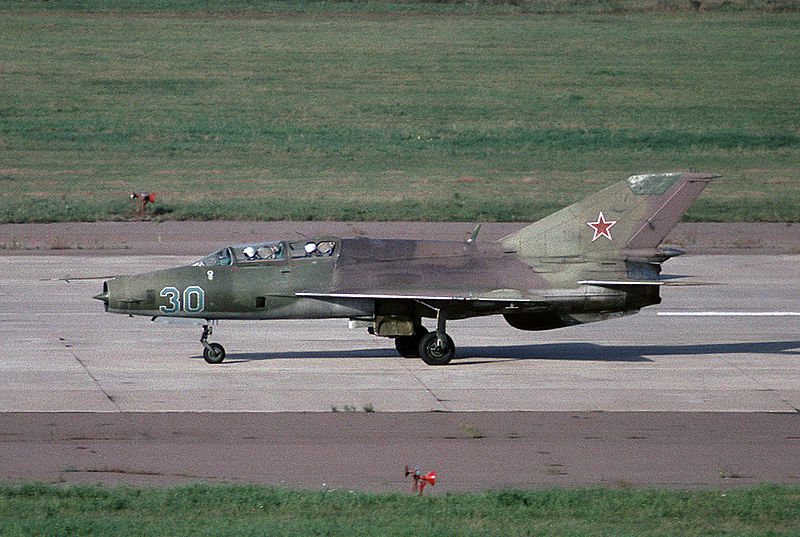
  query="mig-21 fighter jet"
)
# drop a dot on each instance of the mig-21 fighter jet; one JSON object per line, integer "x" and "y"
{"x": 593, "y": 260}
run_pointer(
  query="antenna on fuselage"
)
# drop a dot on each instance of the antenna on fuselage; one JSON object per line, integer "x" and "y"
{"x": 474, "y": 234}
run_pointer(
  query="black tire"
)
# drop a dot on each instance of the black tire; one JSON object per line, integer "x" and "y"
{"x": 432, "y": 354}
{"x": 215, "y": 354}
{"x": 408, "y": 346}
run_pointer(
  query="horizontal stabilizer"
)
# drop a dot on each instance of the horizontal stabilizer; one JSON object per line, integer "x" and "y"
{"x": 670, "y": 282}
{"x": 620, "y": 283}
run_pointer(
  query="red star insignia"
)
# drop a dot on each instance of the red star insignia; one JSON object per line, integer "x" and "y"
{"x": 601, "y": 227}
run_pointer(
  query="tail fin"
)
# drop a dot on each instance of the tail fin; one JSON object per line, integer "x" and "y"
{"x": 634, "y": 215}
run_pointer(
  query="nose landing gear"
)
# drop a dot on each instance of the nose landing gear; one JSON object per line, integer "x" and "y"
{"x": 213, "y": 353}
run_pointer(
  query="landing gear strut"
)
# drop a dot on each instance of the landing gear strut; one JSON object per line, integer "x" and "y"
{"x": 213, "y": 353}
{"x": 437, "y": 348}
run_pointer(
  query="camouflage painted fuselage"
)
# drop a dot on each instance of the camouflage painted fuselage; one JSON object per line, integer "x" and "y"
{"x": 365, "y": 277}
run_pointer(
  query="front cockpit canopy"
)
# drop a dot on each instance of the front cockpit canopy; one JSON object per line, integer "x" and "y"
{"x": 266, "y": 251}
{"x": 244, "y": 253}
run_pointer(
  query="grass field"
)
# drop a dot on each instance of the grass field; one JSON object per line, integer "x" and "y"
{"x": 35, "y": 509}
{"x": 288, "y": 110}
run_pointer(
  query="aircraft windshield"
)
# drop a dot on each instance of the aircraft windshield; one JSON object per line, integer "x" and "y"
{"x": 221, "y": 257}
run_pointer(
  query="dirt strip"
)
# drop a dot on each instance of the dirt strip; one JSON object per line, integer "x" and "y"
{"x": 198, "y": 238}
{"x": 368, "y": 451}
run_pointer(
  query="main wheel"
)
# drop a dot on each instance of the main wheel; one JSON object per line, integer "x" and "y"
{"x": 432, "y": 353}
{"x": 408, "y": 346}
{"x": 214, "y": 354}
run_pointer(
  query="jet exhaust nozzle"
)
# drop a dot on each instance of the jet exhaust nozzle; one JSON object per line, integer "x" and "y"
{"x": 103, "y": 297}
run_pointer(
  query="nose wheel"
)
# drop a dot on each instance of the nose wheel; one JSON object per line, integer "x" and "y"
{"x": 213, "y": 353}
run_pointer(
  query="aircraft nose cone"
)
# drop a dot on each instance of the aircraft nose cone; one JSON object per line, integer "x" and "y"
{"x": 102, "y": 296}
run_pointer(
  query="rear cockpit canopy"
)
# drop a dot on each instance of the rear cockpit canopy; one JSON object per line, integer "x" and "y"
{"x": 312, "y": 248}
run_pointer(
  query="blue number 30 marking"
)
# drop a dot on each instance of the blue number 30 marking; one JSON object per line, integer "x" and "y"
{"x": 194, "y": 300}
{"x": 173, "y": 300}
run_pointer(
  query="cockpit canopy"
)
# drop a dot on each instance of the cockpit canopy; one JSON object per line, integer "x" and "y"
{"x": 268, "y": 251}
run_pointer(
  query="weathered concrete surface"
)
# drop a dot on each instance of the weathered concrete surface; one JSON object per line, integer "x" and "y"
{"x": 63, "y": 353}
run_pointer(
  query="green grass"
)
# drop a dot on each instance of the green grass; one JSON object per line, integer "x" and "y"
{"x": 36, "y": 509}
{"x": 404, "y": 6}
{"x": 332, "y": 110}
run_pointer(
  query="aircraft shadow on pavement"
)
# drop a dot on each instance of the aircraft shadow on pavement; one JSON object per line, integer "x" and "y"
{"x": 550, "y": 351}
{"x": 624, "y": 353}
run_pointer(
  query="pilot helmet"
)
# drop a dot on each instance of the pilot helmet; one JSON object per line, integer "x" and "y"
{"x": 310, "y": 247}
{"x": 250, "y": 252}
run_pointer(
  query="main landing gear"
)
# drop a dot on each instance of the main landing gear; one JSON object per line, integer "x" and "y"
{"x": 408, "y": 346}
{"x": 213, "y": 353}
{"x": 435, "y": 348}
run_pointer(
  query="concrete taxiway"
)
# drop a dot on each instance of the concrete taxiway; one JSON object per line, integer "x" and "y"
{"x": 87, "y": 396}
{"x": 63, "y": 353}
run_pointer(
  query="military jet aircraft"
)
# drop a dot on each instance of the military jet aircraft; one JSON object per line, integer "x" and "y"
{"x": 593, "y": 260}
